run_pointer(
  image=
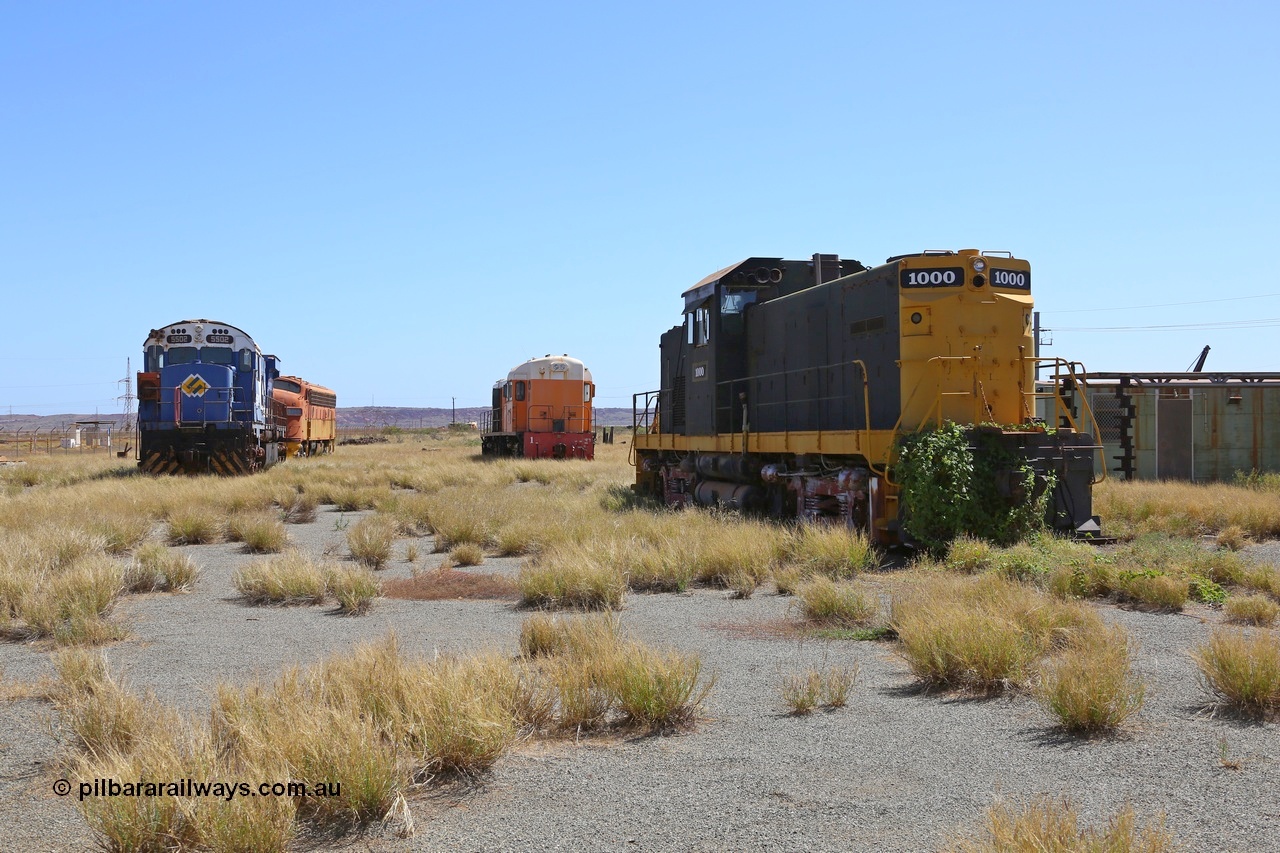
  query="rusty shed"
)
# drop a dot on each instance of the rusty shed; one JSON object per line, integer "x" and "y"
{"x": 1202, "y": 427}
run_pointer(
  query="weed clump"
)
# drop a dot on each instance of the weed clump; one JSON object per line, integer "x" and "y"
{"x": 1233, "y": 537}
{"x": 291, "y": 578}
{"x": 816, "y": 687}
{"x": 156, "y": 567}
{"x": 1152, "y": 589}
{"x": 1092, "y": 687}
{"x": 842, "y": 605}
{"x": 831, "y": 550}
{"x": 122, "y": 532}
{"x": 70, "y": 605}
{"x": 468, "y": 554}
{"x": 969, "y": 555}
{"x": 1242, "y": 670}
{"x": 354, "y": 588}
{"x": 1053, "y": 825}
{"x": 370, "y": 539}
{"x": 656, "y": 690}
{"x": 296, "y": 507}
{"x": 598, "y": 676}
{"x": 261, "y": 532}
{"x": 543, "y": 634}
{"x": 949, "y": 479}
{"x": 981, "y": 634}
{"x": 575, "y": 580}
{"x": 194, "y": 525}
{"x": 1263, "y": 579}
{"x": 1255, "y": 609}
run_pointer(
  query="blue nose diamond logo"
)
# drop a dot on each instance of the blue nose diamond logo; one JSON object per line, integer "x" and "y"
{"x": 194, "y": 386}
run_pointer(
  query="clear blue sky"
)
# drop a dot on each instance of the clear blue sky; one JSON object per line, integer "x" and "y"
{"x": 404, "y": 200}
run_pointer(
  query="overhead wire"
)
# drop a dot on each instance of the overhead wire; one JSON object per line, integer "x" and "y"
{"x": 1164, "y": 304}
{"x": 1256, "y": 323}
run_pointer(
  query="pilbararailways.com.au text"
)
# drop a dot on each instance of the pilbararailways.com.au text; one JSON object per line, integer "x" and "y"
{"x": 191, "y": 788}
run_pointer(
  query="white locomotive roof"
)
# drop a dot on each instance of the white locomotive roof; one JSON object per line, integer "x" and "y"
{"x": 197, "y": 329}
{"x": 551, "y": 367}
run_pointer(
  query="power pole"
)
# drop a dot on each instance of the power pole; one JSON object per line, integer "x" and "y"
{"x": 454, "y": 403}
{"x": 1038, "y": 333}
{"x": 127, "y": 396}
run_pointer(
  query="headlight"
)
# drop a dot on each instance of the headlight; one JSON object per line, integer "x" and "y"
{"x": 979, "y": 265}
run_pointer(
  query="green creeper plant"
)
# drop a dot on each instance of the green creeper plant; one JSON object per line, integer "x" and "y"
{"x": 958, "y": 480}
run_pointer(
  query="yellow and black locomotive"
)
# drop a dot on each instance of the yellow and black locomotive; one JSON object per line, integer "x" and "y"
{"x": 790, "y": 383}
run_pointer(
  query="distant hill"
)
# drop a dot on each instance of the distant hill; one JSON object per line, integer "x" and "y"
{"x": 409, "y": 418}
{"x": 354, "y": 417}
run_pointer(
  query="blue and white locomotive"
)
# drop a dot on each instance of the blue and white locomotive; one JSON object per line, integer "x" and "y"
{"x": 204, "y": 401}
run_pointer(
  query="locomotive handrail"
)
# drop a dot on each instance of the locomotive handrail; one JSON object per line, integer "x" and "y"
{"x": 1076, "y": 382}
{"x": 866, "y": 413}
{"x": 936, "y": 405}
{"x": 651, "y": 399}
{"x": 645, "y": 416}
{"x": 786, "y": 402}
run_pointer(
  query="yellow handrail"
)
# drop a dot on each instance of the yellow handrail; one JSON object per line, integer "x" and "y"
{"x": 1079, "y": 383}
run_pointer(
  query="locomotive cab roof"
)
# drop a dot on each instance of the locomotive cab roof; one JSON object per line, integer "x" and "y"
{"x": 551, "y": 367}
{"x": 188, "y": 332}
{"x": 778, "y": 275}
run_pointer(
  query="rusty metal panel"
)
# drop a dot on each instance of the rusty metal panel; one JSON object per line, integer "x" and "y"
{"x": 1174, "y": 438}
{"x": 1233, "y": 426}
{"x": 1240, "y": 432}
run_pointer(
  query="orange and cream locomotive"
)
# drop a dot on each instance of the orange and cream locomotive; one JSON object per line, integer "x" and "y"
{"x": 310, "y": 416}
{"x": 542, "y": 410}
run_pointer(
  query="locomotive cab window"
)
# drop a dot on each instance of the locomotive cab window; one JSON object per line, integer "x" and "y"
{"x": 181, "y": 355}
{"x": 688, "y": 329}
{"x": 737, "y": 301}
{"x": 587, "y": 390}
{"x": 702, "y": 327}
{"x": 155, "y": 359}
{"x": 217, "y": 355}
{"x": 246, "y": 359}
{"x": 520, "y": 390}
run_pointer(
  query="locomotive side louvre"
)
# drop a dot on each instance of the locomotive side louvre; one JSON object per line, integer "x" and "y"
{"x": 789, "y": 383}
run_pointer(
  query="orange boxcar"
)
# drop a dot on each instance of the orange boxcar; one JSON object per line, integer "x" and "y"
{"x": 542, "y": 410}
{"x": 311, "y": 416}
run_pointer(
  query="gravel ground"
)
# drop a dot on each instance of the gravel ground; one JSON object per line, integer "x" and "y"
{"x": 895, "y": 770}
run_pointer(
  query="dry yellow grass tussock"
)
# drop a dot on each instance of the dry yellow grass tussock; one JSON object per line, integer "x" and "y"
{"x": 1053, "y": 826}
{"x": 370, "y": 540}
{"x": 1186, "y": 509}
{"x": 981, "y": 633}
{"x": 1242, "y": 670}
{"x": 838, "y": 604}
{"x": 574, "y": 578}
{"x": 1092, "y": 686}
{"x": 291, "y": 578}
{"x": 818, "y": 687}
{"x": 599, "y": 677}
{"x": 1259, "y": 610}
